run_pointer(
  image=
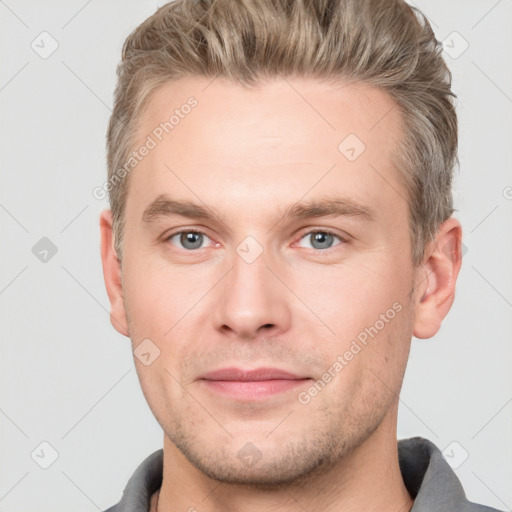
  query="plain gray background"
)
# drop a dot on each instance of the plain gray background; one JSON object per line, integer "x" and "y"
{"x": 68, "y": 378}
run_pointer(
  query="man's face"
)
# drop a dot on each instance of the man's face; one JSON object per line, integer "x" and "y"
{"x": 269, "y": 283}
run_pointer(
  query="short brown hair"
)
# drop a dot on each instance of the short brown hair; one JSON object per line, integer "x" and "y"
{"x": 385, "y": 43}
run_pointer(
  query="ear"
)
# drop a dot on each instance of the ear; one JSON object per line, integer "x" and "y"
{"x": 112, "y": 274}
{"x": 436, "y": 279}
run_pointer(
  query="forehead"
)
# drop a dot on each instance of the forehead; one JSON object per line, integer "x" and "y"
{"x": 295, "y": 108}
{"x": 279, "y": 137}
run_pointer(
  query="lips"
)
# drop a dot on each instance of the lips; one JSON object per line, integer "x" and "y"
{"x": 251, "y": 384}
{"x": 257, "y": 374}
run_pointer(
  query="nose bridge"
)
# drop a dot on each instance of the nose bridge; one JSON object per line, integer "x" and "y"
{"x": 250, "y": 274}
{"x": 251, "y": 296}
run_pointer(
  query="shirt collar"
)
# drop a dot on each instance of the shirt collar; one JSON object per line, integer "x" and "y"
{"x": 427, "y": 476}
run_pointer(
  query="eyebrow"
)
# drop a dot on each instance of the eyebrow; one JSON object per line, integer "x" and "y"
{"x": 163, "y": 207}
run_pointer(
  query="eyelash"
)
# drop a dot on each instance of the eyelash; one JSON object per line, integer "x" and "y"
{"x": 325, "y": 231}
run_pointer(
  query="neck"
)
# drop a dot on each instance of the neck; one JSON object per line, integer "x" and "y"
{"x": 368, "y": 478}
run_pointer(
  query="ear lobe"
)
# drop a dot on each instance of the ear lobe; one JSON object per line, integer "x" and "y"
{"x": 436, "y": 279}
{"x": 112, "y": 274}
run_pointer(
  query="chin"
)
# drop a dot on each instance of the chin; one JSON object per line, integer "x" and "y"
{"x": 271, "y": 475}
{"x": 267, "y": 466}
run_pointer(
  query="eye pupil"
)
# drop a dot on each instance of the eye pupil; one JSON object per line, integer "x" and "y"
{"x": 322, "y": 240}
{"x": 191, "y": 240}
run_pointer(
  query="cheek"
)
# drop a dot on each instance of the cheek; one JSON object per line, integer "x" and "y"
{"x": 368, "y": 369}
{"x": 156, "y": 298}
{"x": 389, "y": 343}
{"x": 351, "y": 297}
{"x": 159, "y": 389}
{"x": 370, "y": 317}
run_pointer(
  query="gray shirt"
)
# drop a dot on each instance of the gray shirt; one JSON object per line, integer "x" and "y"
{"x": 427, "y": 476}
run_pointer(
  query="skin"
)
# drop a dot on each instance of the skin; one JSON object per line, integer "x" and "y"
{"x": 247, "y": 155}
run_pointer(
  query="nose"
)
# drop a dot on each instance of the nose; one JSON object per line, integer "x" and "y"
{"x": 251, "y": 301}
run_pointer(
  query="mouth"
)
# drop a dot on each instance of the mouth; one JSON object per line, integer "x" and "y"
{"x": 251, "y": 384}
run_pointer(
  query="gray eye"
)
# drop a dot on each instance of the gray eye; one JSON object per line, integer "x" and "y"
{"x": 320, "y": 240}
{"x": 189, "y": 240}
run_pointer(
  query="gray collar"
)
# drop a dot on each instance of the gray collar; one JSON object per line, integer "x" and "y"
{"x": 428, "y": 478}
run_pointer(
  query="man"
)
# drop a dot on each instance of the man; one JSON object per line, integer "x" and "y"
{"x": 280, "y": 227}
